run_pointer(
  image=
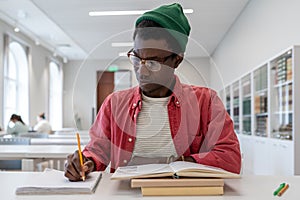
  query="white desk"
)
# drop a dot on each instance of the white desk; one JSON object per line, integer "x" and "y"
{"x": 8, "y": 152}
{"x": 246, "y": 188}
{"x": 29, "y": 154}
{"x": 72, "y": 132}
{"x": 57, "y": 141}
{"x": 69, "y": 136}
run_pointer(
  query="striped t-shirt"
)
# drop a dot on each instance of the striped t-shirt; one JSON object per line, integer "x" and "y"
{"x": 153, "y": 135}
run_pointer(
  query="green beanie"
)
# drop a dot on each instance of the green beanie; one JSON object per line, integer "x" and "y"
{"x": 170, "y": 17}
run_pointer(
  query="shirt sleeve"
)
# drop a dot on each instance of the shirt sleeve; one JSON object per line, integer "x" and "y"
{"x": 220, "y": 147}
{"x": 98, "y": 148}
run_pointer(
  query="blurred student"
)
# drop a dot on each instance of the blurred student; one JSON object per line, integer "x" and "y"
{"x": 42, "y": 126}
{"x": 16, "y": 125}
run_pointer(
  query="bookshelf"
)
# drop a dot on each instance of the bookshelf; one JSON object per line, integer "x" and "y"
{"x": 246, "y": 102}
{"x": 282, "y": 96}
{"x": 261, "y": 101}
{"x": 236, "y": 106}
{"x": 228, "y": 99}
{"x": 267, "y": 114}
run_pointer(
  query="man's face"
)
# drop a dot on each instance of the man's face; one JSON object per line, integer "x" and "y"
{"x": 155, "y": 66}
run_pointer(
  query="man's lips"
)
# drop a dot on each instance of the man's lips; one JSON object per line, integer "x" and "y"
{"x": 145, "y": 81}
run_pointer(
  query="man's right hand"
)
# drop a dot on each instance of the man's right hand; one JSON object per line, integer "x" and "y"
{"x": 73, "y": 169}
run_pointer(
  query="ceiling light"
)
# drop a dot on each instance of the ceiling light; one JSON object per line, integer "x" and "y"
{"x": 122, "y": 44}
{"x": 16, "y": 29}
{"x": 127, "y": 12}
{"x": 123, "y": 54}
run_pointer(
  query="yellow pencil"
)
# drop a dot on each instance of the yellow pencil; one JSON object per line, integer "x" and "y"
{"x": 80, "y": 156}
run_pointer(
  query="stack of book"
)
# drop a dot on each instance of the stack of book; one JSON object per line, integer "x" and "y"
{"x": 289, "y": 74}
{"x": 284, "y": 70}
{"x": 179, "y": 187}
{"x": 175, "y": 179}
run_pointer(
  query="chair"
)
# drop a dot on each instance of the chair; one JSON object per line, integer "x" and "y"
{"x": 15, "y": 141}
{"x": 12, "y": 164}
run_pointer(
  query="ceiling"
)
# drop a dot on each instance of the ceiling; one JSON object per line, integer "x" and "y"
{"x": 64, "y": 26}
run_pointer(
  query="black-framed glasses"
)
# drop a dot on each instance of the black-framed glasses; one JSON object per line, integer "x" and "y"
{"x": 151, "y": 64}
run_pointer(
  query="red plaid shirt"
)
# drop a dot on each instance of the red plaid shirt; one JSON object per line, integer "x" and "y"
{"x": 199, "y": 125}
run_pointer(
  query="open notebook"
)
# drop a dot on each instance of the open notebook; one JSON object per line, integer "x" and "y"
{"x": 54, "y": 182}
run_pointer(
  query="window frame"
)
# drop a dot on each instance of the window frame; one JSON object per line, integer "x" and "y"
{"x": 8, "y": 40}
{"x": 56, "y": 122}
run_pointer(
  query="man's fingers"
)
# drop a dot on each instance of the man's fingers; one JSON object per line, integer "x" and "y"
{"x": 88, "y": 166}
{"x": 70, "y": 176}
{"x": 72, "y": 167}
{"x": 76, "y": 162}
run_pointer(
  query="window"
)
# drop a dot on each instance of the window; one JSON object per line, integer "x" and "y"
{"x": 16, "y": 83}
{"x": 55, "y": 95}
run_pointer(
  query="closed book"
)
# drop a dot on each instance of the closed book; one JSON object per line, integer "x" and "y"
{"x": 180, "y": 182}
{"x": 182, "y": 191}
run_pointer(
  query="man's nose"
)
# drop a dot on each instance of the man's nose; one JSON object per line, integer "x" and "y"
{"x": 143, "y": 70}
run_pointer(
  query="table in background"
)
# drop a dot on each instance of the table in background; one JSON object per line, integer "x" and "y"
{"x": 57, "y": 141}
{"x": 31, "y": 154}
{"x": 68, "y": 136}
{"x": 71, "y": 132}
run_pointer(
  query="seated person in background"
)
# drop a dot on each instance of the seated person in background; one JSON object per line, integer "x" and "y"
{"x": 42, "y": 126}
{"x": 161, "y": 120}
{"x": 16, "y": 125}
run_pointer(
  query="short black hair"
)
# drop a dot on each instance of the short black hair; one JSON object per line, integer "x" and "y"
{"x": 144, "y": 31}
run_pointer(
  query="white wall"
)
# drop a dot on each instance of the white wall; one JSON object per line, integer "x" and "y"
{"x": 1, "y": 73}
{"x": 265, "y": 28}
{"x": 38, "y": 74}
{"x": 194, "y": 71}
{"x": 80, "y": 84}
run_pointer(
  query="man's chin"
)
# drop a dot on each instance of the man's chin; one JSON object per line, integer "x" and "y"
{"x": 148, "y": 87}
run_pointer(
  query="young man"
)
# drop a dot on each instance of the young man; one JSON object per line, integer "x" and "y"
{"x": 161, "y": 120}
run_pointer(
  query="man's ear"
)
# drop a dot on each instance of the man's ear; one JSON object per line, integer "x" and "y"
{"x": 178, "y": 59}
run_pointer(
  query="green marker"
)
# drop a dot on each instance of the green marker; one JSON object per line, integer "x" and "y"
{"x": 278, "y": 189}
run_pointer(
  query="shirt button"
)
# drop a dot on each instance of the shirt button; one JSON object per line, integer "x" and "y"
{"x": 129, "y": 139}
{"x": 124, "y": 161}
{"x": 134, "y": 115}
{"x": 134, "y": 104}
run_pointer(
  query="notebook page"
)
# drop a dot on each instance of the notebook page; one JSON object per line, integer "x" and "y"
{"x": 189, "y": 166}
{"x": 140, "y": 170}
{"x": 54, "y": 181}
